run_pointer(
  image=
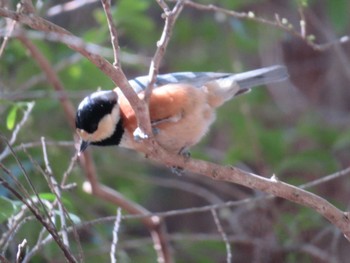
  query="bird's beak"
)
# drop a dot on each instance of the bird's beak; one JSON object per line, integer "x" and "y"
{"x": 83, "y": 146}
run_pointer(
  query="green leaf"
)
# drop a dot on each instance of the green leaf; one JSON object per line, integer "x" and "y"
{"x": 52, "y": 197}
{"x": 47, "y": 196}
{"x": 8, "y": 209}
{"x": 11, "y": 117}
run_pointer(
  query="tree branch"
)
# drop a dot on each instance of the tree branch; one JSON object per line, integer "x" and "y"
{"x": 278, "y": 23}
{"x": 170, "y": 19}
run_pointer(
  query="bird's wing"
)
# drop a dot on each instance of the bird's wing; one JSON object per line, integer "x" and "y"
{"x": 197, "y": 79}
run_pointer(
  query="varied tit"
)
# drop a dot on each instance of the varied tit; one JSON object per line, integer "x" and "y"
{"x": 182, "y": 108}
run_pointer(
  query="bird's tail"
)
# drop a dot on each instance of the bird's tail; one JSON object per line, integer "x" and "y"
{"x": 260, "y": 76}
{"x": 223, "y": 89}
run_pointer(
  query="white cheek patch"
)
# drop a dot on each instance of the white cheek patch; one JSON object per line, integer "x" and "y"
{"x": 83, "y": 135}
{"x": 106, "y": 126}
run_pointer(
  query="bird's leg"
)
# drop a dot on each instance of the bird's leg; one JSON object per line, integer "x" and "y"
{"x": 184, "y": 151}
{"x": 187, "y": 155}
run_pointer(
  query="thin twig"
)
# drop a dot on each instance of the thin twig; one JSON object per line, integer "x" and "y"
{"x": 22, "y": 189}
{"x": 69, "y": 256}
{"x": 14, "y": 224}
{"x": 302, "y": 22}
{"x": 115, "y": 235}
{"x": 26, "y": 114}
{"x": 278, "y": 23}
{"x": 57, "y": 192}
{"x": 39, "y": 244}
{"x": 113, "y": 32}
{"x": 46, "y": 158}
{"x": 37, "y": 198}
{"x": 170, "y": 19}
{"x": 38, "y": 144}
{"x": 73, "y": 161}
{"x": 21, "y": 251}
{"x": 223, "y": 235}
{"x": 325, "y": 179}
{"x": 11, "y": 27}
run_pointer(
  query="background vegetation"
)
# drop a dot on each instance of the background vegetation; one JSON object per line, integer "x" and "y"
{"x": 298, "y": 130}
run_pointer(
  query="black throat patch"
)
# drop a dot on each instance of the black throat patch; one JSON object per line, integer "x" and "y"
{"x": 115, "y": 138}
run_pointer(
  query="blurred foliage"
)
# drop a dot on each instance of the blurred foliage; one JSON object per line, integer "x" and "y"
{"x": 254, "y": 131}
{"x": 338, "y": 14}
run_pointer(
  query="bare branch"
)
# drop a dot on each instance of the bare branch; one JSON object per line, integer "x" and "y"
{"x": 325, "y": 179}
{"x": 11, "y": 27}
{"x": 38, "y": 245}
{"x": 36, "y": 213}
{"x": 21, "y": 251}
{"x": 223, "y": 235}
{"x": 69, "y": 170}
{"x": 278, "y": 23}
{"x": 7, "y": 150}
{"x": 38, "y": 144}
{"x": 113, "y": 32}
{"x": 115, "y": 235}
{"x": 170, "y": 19}
{"x": 55, "y": 189}
{"x": 14, "y": 224}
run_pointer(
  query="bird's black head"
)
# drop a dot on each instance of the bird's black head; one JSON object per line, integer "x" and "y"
{"x": 97, "y": 116}
{"x": 93, "y": 108}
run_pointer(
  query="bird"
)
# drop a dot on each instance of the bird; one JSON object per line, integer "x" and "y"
{"x": 182, "y": 107}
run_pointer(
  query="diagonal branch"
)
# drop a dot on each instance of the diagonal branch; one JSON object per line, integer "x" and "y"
{"x": 113, "y": 31}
